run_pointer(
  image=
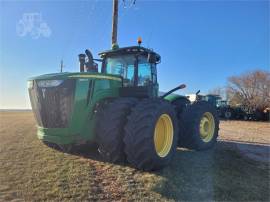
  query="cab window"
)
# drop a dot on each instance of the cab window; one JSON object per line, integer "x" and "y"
{"x": 123, "y": 66}
{"x": 146, "y": 72}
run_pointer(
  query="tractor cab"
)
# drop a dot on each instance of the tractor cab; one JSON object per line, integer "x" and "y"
{"x": 137, "y": 67}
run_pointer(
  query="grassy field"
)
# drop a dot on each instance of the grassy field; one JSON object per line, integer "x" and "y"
{"x": 31, "y": 171}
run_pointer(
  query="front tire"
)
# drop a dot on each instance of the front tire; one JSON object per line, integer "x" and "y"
{"x": 151, "y": 134}
{"x": 111, "y": 120}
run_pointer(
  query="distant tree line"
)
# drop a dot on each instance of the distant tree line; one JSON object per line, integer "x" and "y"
{"x": 250, "y": 90}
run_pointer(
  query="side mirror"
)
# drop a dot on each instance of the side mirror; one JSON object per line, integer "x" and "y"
{"x": 151, "y": 58}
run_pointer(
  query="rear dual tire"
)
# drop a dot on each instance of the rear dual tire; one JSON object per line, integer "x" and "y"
{"x": 199, "y": 125}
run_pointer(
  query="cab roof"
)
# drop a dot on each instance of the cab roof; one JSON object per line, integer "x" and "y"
{"x": 128, "y": 50}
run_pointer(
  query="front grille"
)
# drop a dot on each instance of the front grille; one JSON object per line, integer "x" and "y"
{"x": 53, "y": 106}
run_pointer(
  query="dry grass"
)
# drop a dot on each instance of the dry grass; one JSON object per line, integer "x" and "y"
{"x": 245, "y": 131}
{"x": 31, "y": 171}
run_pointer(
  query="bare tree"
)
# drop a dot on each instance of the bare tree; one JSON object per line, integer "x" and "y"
{"x": 251, "y": 89}
{"x": 221, "y": 91}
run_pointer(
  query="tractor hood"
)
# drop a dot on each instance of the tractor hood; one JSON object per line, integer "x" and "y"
{"x": 63, "y": 103}
{"x": 69, "y": 75}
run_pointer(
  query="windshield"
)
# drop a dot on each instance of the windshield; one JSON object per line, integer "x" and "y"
{"x": 125, "y": 67}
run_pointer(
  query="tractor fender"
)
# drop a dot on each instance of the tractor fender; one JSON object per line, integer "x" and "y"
{"x": 179, "y": 101}
{"x": 173, "y": 97}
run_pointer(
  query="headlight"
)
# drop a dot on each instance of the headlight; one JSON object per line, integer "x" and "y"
{"x": 49, "y": 83}
{"x": 30, "y": 84}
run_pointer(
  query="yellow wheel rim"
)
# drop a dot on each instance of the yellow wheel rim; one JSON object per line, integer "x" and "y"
{"x": 163, "y": 137}
{"x": 207, "y": 127}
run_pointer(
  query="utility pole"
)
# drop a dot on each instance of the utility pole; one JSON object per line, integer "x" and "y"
{"x": 114, "y": 21}
{"x": 61, "y": 66}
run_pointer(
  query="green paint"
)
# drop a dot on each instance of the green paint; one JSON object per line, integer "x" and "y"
{"x": 82, "y": 122}
{"x": 173, "y": 97}
{"x": 82, "y": 119}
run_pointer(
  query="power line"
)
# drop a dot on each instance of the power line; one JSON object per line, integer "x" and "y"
{"x": 132, "y": 3}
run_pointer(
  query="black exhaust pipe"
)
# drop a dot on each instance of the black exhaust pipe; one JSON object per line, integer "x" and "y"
{"x": 82, "y": 61}
{"x": 90, "y": 62}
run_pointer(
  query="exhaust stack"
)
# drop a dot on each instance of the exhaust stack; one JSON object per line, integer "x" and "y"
{"x": 82, "y": 62}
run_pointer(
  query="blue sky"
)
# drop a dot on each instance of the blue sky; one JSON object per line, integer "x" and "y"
{"x": 201, "y": 42}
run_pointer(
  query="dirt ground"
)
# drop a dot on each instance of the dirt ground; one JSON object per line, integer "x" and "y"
{"x": 245, "y": 131}
{"x": 237, "y": 169}
{"x": 250, "y": 138}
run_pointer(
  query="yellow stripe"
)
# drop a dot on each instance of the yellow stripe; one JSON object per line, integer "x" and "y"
{"x": 97, "y": 77}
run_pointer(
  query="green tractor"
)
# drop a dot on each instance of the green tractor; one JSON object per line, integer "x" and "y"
{"x": 118, "y": 108}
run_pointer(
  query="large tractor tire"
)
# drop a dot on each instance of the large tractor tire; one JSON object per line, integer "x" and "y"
{"x": 111, "y": 119}
{"x": 199, "y": 125}
{"x": 151, "y": 134}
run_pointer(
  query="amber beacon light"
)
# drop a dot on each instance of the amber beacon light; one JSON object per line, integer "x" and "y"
{"x": 139, "y": 40}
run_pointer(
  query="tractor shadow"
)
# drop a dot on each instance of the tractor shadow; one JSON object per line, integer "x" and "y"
{"x": 88, "y": 151}
{"x": 232, "y": 171}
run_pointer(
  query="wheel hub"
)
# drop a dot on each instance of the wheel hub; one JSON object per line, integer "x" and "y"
{"x": 207, "y": 127}
{"x": 163, "y": 136}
